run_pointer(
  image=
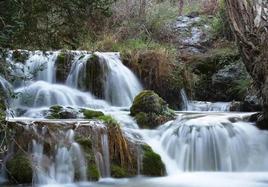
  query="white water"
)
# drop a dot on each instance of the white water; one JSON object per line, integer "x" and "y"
{"x": 62, "y": 167}
{"x": 40, "y": 94}
{"x": 189, "y": 105}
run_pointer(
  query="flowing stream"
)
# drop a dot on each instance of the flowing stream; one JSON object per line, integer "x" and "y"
{"x": 199, "y": 149}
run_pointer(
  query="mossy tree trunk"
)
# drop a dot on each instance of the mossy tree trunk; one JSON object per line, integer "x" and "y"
{"x": 249, "y": 22}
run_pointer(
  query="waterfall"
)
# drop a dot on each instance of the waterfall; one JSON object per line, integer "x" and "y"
{"x": 120, "y": 84}
{"x": 209, "y": 143}
{"x": 66, "y": 165}
{"x": 37, "y": 89}
{"x": 189, "y": 105}
{"x": 5, "y": 89}
{"x": 103, "y": 158}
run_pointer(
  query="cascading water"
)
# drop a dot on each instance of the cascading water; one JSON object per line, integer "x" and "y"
{"x": 223, "y": 142}
{"x": 36, "y": 85}
{"x": 64, "y": 166}
{"x": 209, "y": 142}
{"x": 203, "y": 105}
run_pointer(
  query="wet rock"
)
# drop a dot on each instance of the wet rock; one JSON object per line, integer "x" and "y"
{"x": 60, "y": 112}
{"x": 228, "y": 74}
{"x": 192, "y": 31}
{"x": 230, "y": 82}
{"x": 150, "y": 110}
{"x": 96, "y": 75}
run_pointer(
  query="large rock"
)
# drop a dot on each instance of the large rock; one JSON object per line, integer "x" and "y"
{"x": 231, "y": 82}
{"x": 150, "y": 110}
{"x": 96, "y": 75}
{"x": 63, "y": 66}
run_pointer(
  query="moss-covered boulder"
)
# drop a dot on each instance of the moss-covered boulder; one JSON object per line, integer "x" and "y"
{"x": 63, "y": 65}
{"x": 60, "y": 112}
{"x": 19, "y": 169}
{"x": 152, "y": 164}
{"x": 150, "y": 110}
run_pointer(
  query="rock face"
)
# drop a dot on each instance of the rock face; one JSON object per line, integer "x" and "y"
{"x": 192, "y": 31}
{"x": 226, "y": 80}
{"x": 220, "y": 75}
{"x": 150, "y": 110}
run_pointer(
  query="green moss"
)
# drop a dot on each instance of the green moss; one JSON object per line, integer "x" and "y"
{"x": 152, "y": 164}
{"x": 93, "y": 172}
{"x": 108, "y": 119}
{"x": 90, "y": 114}
{"x": 19, "y": 169}
{"x": 56, "y": 108}
{"x": 84, "y": 142}
{"x": 118, "y": 171}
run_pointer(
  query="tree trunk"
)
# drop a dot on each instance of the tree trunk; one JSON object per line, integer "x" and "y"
{"x": 249, "y": 22}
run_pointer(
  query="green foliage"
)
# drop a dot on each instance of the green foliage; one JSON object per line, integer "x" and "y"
{"x": 152, "y": 164}
{"x": 48, "y": 24}
{"x": 19, "y": 169}
{"x": 93, "y": 172}
{"x": 239, "y": 88}
{"x": 118, "y": 171}
{"x": 159, "y": 17}
{"x": 220, "y": 25}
